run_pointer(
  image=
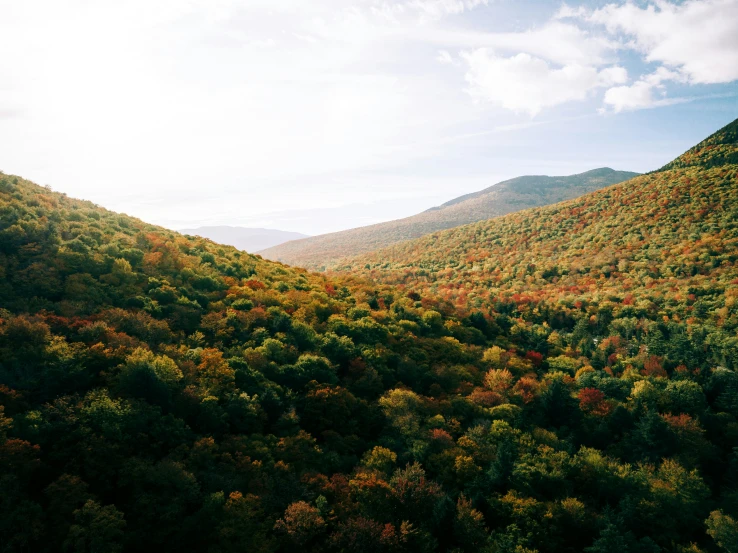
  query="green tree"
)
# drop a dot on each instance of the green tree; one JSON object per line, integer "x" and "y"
{"x": 96, "y": 529}
{"x": 724, "y": 530}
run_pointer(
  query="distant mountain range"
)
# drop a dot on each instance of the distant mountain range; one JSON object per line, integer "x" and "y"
{"x": 512, "y": 195}
{"x": 244, "y": 238}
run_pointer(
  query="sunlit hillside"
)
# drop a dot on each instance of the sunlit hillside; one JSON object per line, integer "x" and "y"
{"x": 325, "y": 251}
{"x": 661, "y": 244}
{"x": 561, "y": 379}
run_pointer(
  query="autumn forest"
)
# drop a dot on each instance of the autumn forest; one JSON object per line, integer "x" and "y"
{"x": 558, "y": 379}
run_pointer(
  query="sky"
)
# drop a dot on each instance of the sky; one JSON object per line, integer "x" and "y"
{"x": 320, "y": 115}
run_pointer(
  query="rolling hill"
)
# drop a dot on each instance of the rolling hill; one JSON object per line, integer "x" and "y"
{"x": 244, "y": 238}
{"x": 665, "y": 243}
{"x": 323, "y": 251}
{"x": 161, "y": 392}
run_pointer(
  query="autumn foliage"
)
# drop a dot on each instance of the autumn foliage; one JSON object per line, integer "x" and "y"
{"x": 564, "y": 379}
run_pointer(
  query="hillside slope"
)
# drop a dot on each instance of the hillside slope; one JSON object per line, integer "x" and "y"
{"x": 246, "y": 239}
{"x": 667, "y": 235}
{"x": 505, "y": 197}
{"x": 165, "y": 393}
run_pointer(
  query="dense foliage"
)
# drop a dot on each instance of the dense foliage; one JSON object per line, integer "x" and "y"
{"x": 637, "y": 279}
{"x": 163, "y": 393}
{"x": 327, "y": 250}
{"x": 661, "y": 247}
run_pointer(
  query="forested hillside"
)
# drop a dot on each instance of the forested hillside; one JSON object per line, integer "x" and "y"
{"x": 663, "y": 236}
{"x": 324, "y": 251}
{"x": 164, "y": 393}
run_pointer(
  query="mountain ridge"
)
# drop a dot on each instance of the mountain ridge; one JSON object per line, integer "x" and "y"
{"x": 507, "y": 196}
{"x": 562, "y": 243}
{"x": 536, "y": 179}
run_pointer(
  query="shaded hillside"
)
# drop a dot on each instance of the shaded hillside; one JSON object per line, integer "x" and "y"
{"x": 165, "y": 393}
{"x": 505, "y": 197}
{"x": 243, "y": 238}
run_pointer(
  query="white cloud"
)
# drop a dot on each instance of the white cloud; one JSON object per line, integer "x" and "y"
{"x": 566, "y": 11}
{"x": 558, "y": 42}
{"x": 612, "y": 75}
{"x": 439, "y": 8}
{"x": 526, "y": 84}
{"x": 698, "y": 38}
{"x": 444, "y": 57}
{"x": 554, "y": 41}
{"x": 424, "y": 10}
{"x": 639, "y": 95}
{"x": 647, "y": 92}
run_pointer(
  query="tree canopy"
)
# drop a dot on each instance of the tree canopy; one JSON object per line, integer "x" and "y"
{"x": 563, "y": 379}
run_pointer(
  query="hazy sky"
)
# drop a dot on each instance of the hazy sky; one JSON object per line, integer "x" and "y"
{"x": 318, "y": 115}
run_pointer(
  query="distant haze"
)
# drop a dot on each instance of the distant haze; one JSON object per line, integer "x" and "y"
{"x": 243, "y": 238}
{"x": 499, "y": 199}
